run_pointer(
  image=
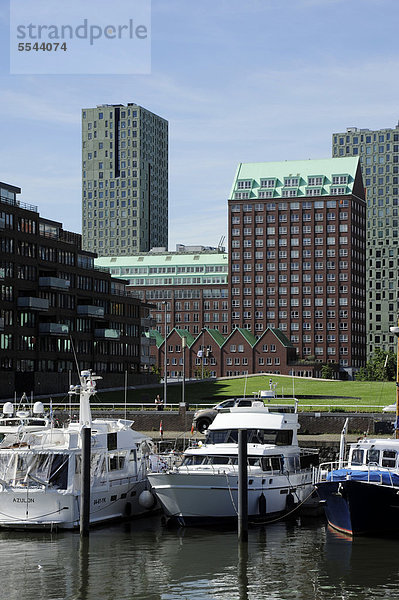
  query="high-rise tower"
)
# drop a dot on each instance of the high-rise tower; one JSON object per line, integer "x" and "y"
{"x": 379, "y": 158}
{"x": 297, "y": 248}
{"x": 124, "y": 180}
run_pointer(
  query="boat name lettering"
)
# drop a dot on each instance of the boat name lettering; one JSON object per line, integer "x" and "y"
{"x": 99, "y": 501}
{"x": 24, "y": 500}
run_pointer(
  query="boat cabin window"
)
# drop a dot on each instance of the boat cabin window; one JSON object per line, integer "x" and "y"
{"x": 36, "y": 422}
{"x": 373, "y": 457}
{"x": 388, "y": 458}
{"x": 209, "y": 460}
{"x": 271, "y": 463}
{"x": 220, "y": 460}
{"x": 35, "y": 469}
{"x": 192, "y": 460}
{"x": 116, "y": 461}
{"x": 112, "y": 441}
{"x": 59, "y": 471}
{"x": 357, "y": 457}
{"x": 278, "y": 437}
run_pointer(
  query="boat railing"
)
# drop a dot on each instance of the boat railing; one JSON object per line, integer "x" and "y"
{"x": 327, "y": 469}
{"x": 232, "y": 469}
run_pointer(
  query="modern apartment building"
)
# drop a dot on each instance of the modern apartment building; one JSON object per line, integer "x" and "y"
{"x": 188, "y": 288}
{"x": 124, "y": 180}
{"x": 378, "y": 152}
{"x": 52, "y": 296}
{"x": 297, "y": 256}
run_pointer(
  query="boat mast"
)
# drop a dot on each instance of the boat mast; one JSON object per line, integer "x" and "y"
{"x": 86, "y": 389}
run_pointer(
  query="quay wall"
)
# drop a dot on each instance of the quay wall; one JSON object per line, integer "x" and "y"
{"x": 311, "y": 423}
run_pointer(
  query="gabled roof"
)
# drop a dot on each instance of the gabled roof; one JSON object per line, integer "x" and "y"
{"x": 184, "y": 333}
{"x": 251, "y": 339}
{"x": 154, "y": 333}
{"x": 284, "y": 341}
{"x": 216, "y": 336}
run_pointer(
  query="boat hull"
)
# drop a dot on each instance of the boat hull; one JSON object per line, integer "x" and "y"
{"x": 361, "y": 507}
{"x": 192, "y": 499}
{"x": 52, "y": 509}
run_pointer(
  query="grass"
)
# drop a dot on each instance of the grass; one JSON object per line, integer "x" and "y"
{"x": 370, "y": 393}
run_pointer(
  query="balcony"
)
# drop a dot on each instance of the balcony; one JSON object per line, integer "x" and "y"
{"x": 53, "y": 329}
{"x": 147, "y": 341}
{"x": 147, "y": 322}
{"x": 56, "y": 283}
{"x": 32, "y": 303}
{"x": 107, "y": 334}
{"x": 89, "y": 310}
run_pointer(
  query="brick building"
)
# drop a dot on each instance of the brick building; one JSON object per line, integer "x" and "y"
{"x": 187, "y": 288}
{"x": 210, "y": 354}
{"x": 297, "y": 256}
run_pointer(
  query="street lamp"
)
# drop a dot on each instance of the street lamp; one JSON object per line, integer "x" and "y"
{"x": 165, "y": 364}
{"x": 395, "y": 331}
{"x": 203, "y": 352}
{"x": 183, "y": 345}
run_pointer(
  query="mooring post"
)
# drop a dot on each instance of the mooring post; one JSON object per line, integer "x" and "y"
{"x": 85, "y": 482}
{"x": 242, "y": 486}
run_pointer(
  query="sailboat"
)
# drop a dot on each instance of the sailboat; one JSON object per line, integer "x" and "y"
{"x": 40, "y": 474}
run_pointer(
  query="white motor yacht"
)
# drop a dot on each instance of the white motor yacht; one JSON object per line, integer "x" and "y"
{"x": 204, "y": 488}
{"x": 40, "y": 472}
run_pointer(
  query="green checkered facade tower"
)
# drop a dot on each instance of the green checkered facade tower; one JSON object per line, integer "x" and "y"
{"x": 124, "y": 180}
{"x": 379, "y": 158}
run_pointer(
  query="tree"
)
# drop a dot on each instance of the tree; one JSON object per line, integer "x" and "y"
{"x": 380, "y": 367}
{"x": 156, "y": 370}
{"x": 327, "y": 372}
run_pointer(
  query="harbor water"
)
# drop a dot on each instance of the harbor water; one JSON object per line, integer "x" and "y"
{"x": 144, "y": 560}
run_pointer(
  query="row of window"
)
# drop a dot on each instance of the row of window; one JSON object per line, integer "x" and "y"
{"x": 305, "y": 205}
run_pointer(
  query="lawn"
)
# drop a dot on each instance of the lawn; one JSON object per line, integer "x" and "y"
{"x": 362, "y": 393}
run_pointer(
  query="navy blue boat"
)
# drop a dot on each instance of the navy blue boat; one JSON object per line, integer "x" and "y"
{"x": 362, "y": 496}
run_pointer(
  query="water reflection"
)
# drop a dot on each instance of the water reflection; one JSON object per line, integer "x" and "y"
{"x": 363, "y": 562}
{"x": 144, "y": 561}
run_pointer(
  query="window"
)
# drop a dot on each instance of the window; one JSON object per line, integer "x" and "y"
{"x": 244, "y": 185}
{"x": 291, "y": 181}
{"x": 317, "y": 180}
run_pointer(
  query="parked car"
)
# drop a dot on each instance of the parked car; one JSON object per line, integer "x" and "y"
{"x": 203, "y": 418}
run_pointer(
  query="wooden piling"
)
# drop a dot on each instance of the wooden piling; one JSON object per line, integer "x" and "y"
{"x": 242, "y": 486}
{"x": 85, "y": 482}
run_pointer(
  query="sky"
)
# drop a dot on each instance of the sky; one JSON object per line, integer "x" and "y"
{"x": 259, "y": 80}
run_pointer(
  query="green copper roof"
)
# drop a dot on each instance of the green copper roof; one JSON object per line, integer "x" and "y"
{"x": 163, "y": 259}
{"x": 281, "y": 337}
{"x": 295, "y": 178}
{"x": 184, "y": 333}
{"x": 167, "y": 268}
{"x": 217, "y": 336}
{"x": 154, "y": 333}
{"x": 251, "y": 339}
